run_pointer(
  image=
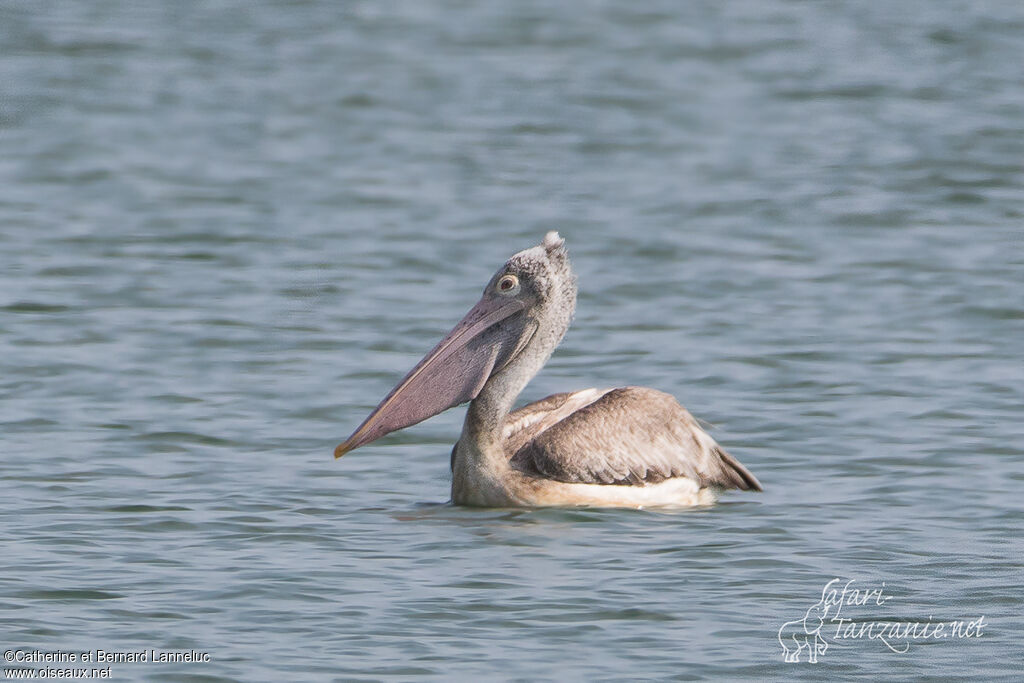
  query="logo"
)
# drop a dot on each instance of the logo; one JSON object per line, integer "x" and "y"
{"x": 846, "y": 612}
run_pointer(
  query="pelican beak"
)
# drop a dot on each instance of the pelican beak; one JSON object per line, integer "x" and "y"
{"x": 454, "y": 372}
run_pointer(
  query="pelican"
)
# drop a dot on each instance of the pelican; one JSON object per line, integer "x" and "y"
{"x": 627, "y": 447}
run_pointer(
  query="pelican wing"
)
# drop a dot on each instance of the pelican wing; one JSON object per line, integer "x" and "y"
{"x": 628, "y": 436}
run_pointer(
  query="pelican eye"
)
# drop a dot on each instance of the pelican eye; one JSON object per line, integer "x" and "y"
{"x": 507, "y": 284}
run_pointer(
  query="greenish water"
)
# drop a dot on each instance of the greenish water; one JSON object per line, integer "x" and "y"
{"x": 226, "y": 230}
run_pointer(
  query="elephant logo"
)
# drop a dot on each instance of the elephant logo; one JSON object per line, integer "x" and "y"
{"x": 805, "y": 634}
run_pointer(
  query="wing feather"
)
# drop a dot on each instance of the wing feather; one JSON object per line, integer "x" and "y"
{"x": 626, "y": 436}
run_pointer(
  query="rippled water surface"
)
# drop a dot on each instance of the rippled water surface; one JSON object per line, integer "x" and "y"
{"x": 227, "y": 228}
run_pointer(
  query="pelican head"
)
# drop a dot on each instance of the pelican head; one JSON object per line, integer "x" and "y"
{"x": 506, "y": 338}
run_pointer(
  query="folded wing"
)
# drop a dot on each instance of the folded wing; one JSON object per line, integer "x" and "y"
{"x": 628, "y": 436}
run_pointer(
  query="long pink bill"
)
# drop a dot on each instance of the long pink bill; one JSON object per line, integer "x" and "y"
{"x": 452, "y": 373}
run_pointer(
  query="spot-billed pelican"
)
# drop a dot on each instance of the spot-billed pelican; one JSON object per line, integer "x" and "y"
{"x": 626, "y": 447}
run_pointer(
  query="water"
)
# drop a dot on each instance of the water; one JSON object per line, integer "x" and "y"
{"x": 227, "y": 229}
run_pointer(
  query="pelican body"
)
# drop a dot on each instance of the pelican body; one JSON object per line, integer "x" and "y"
{"x": 626, "y": 447}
